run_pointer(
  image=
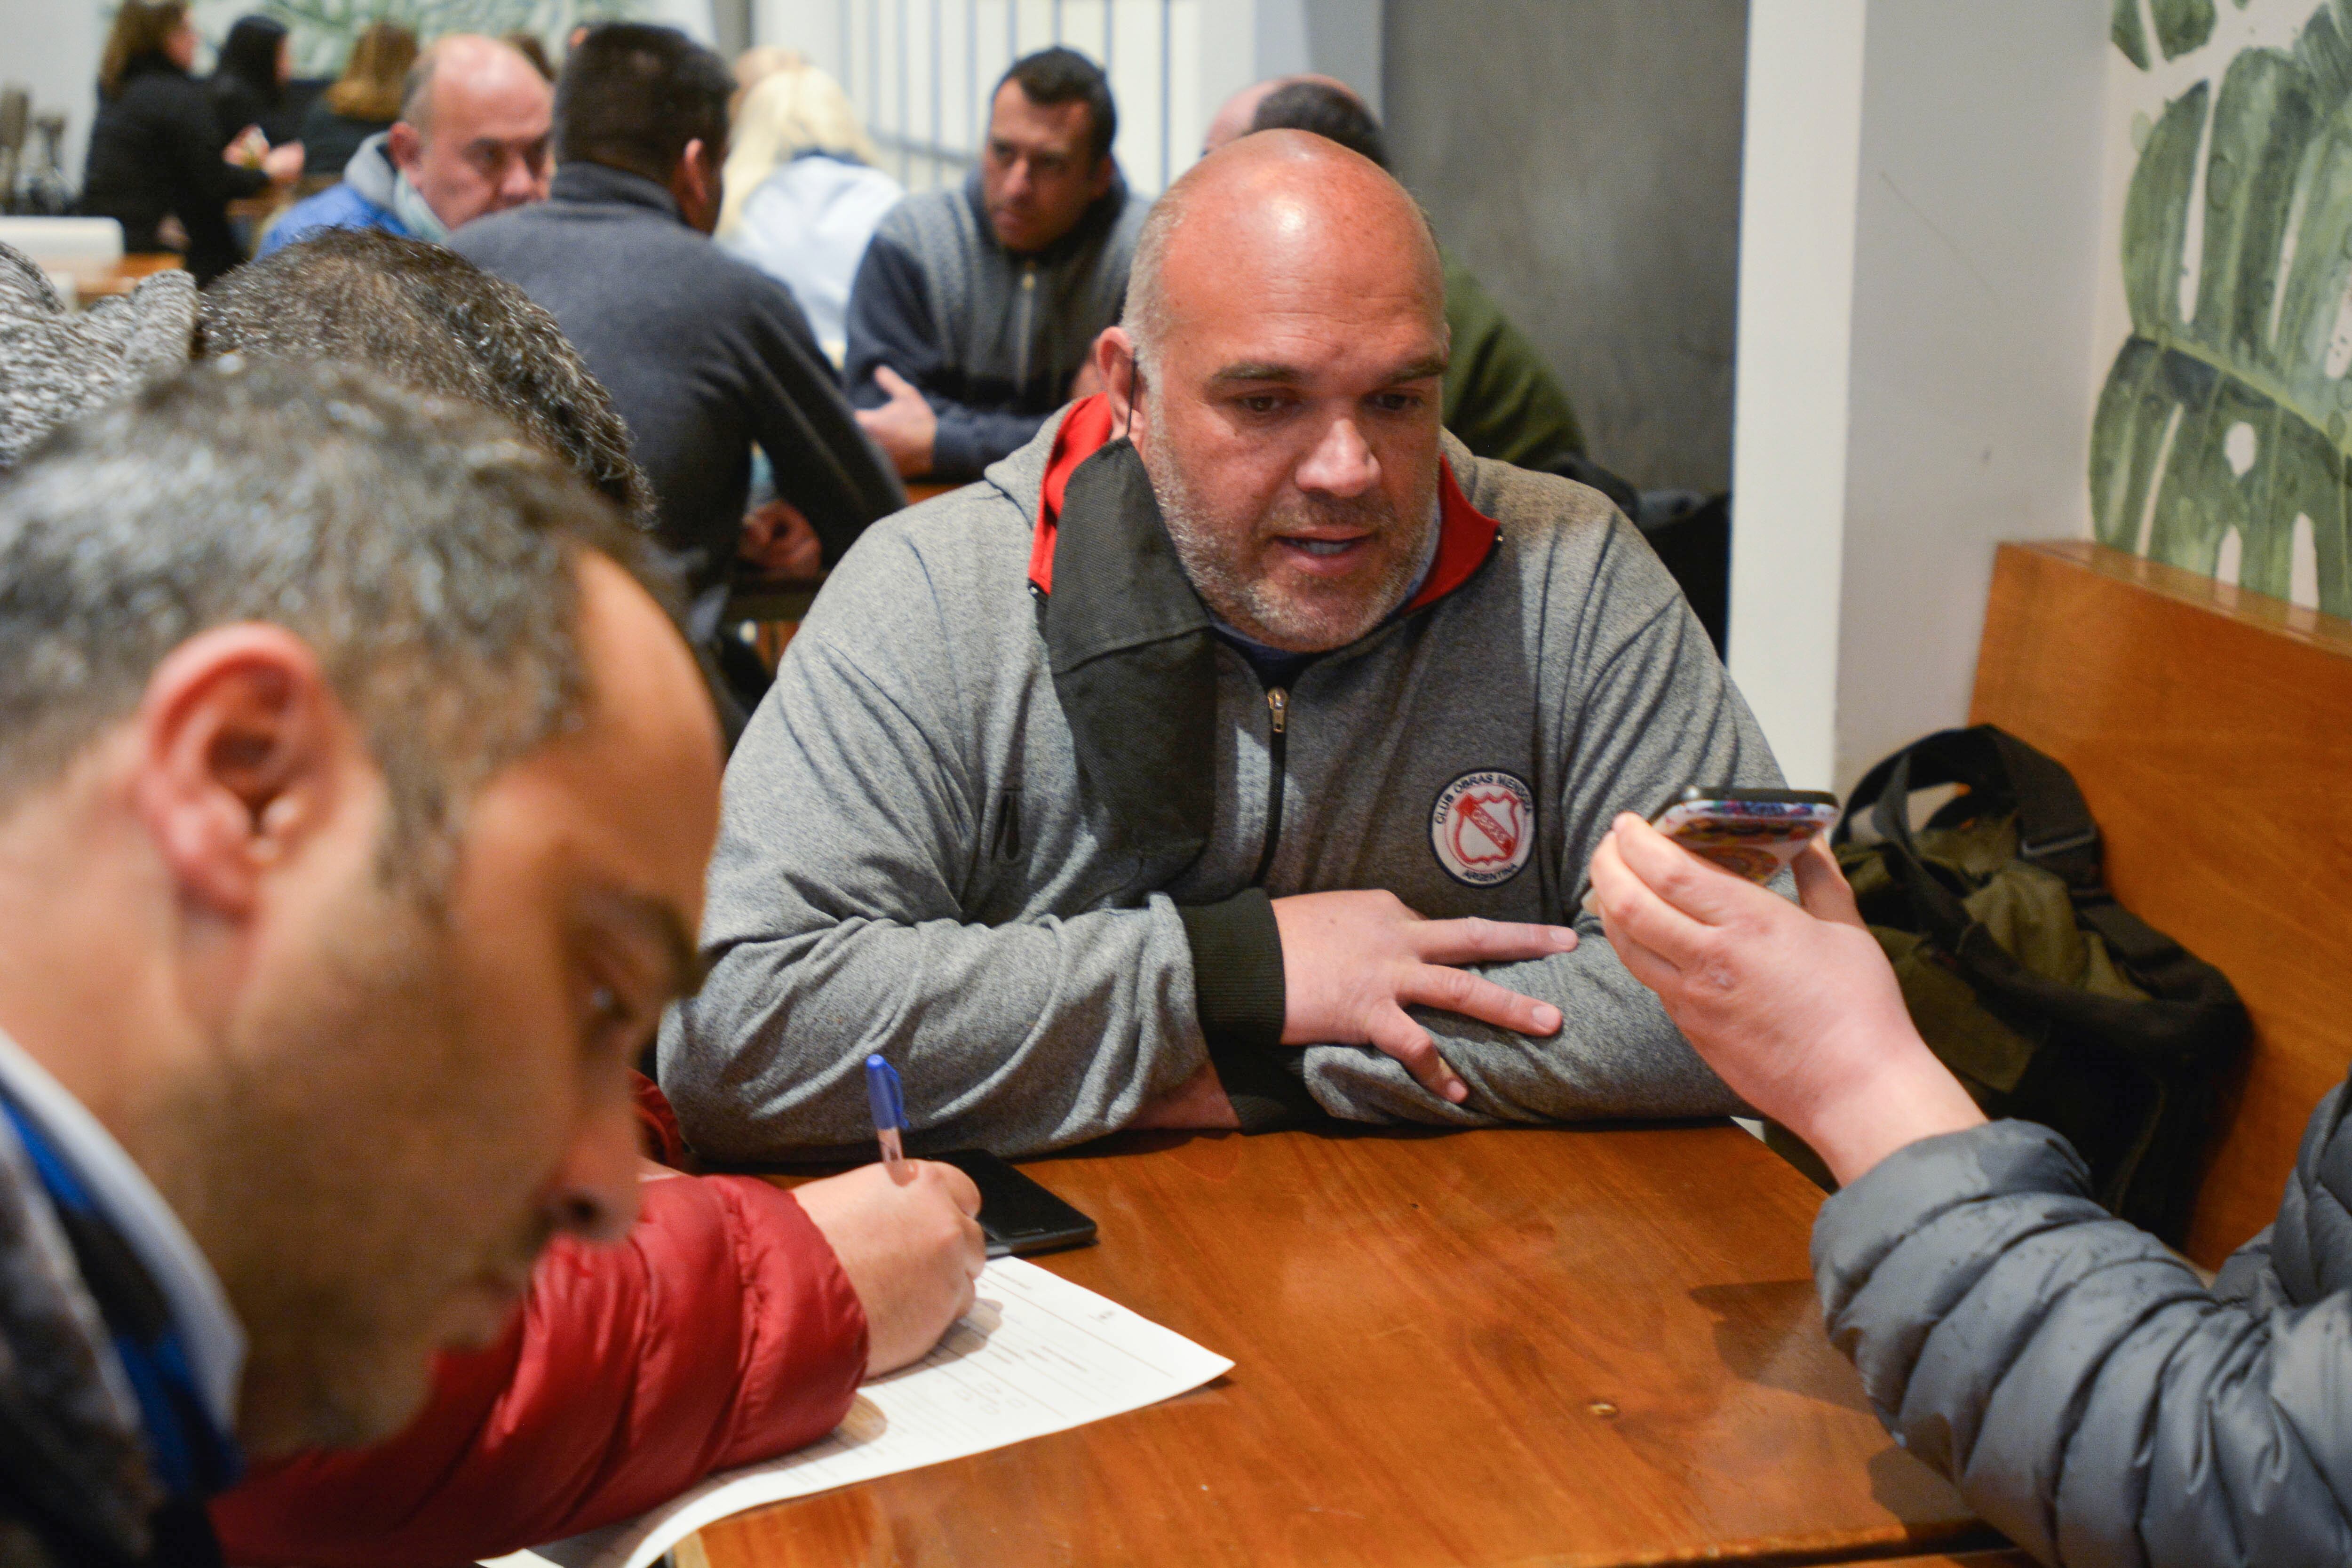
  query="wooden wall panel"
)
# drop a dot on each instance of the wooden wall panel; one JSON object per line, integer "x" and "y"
{"x": 2211, "y": 732}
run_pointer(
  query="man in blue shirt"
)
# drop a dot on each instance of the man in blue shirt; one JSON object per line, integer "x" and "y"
{"x": 332, "y": 919}
{"x": 471, "y": 140}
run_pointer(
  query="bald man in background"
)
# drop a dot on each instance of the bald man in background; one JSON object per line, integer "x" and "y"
{"x": 1234, "y": 116}
{"x": 471, "y": 140}
{"x": 1230, "y": 756}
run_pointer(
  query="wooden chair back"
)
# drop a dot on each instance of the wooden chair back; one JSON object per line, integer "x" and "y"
{"x": 2210, "y": 731}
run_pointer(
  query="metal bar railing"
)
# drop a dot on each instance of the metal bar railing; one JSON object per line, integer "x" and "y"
{"x": 874, "y": 65}
{"x": 909, "y": 87}
{"x": 907, "y": 147}
{"x": 902, "y": 117}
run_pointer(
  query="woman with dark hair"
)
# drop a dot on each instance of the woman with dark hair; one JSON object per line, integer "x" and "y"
{"x": 248, "y": 84}
{"x": 155, "y": 152}
{"x": 364, "y": 101}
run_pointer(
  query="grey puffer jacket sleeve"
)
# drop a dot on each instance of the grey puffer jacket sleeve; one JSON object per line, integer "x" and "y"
{"x": 2087, "y": 1393}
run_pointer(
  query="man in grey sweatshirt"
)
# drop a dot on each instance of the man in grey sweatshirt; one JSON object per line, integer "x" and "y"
{"x": 1230, "y": 755}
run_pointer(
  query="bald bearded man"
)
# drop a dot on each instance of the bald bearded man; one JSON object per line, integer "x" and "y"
{"x": 1229, "y": 757}
{"x": 1501, "y": 398}
{"x": 471, "y": 140}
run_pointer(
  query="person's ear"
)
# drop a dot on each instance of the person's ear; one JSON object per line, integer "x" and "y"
{"x": 1098, "y": 183}
{"x": 694, "y": 185}
{"x": 244, "y": 758}
{"x": 404, "y": 146}
{"x": 1122, "y": 380}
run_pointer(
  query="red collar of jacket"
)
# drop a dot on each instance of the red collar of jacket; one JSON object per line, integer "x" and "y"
{"x": 1465, "y": 536}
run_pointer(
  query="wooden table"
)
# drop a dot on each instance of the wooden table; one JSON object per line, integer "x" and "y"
{"x": 1548, "y": 1346}
{"x": 759, "y": 600}
{"x": 123, "y": 276}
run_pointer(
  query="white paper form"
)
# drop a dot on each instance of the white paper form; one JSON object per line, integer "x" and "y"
{"x": 1036, "y": 1355}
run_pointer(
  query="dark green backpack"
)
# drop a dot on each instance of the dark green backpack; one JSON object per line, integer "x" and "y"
{"x": 2049, "y": 1000}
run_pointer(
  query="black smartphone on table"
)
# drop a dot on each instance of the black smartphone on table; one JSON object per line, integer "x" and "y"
{"x": 1018, "y": 1216}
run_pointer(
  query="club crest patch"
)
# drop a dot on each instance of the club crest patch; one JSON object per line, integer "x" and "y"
{"x": 1484, "y": 828}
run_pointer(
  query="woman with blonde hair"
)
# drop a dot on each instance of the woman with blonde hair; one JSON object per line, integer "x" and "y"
{"x": 803, "y": 195}
{"x": 756, "y": 65}
{"x": 364, "y": 99}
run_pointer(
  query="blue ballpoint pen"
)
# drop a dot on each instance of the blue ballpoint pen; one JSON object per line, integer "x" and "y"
{"x": 884, "y": 1097}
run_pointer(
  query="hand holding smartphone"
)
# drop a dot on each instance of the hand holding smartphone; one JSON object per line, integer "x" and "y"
{"x": 1751, "y": 833}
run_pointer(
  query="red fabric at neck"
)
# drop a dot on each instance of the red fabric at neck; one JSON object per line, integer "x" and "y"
{"x": 1085, "y": 431}
{"x": 1465, "y": 536}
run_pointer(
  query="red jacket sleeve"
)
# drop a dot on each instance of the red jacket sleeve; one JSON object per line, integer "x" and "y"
{"x": 722, "y": 1330}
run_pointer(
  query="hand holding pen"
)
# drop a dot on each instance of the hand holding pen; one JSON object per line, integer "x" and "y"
{"x": 888, "y": 1103}
{"x": 903, "y": 1233}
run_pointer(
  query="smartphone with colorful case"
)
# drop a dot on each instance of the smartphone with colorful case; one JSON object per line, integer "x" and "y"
{"x": 1752, "y": 833}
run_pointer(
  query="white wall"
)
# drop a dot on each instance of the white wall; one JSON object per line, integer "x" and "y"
{"x": 1920, "y": 257}
{"x": 2228, "y": 545}
{"x": 1339, "y": 38}
{"x": 2133, "y": 94}
{"x": 1604, "y": 221}
{"x": 1976, "y": 278}
{"x": 1803, "y": 149}
{"x": 50, "y": 46}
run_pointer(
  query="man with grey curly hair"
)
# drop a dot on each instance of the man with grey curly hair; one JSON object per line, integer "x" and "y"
{"x": 328, "y": 715}
{"x": 428, "y": 318}
{"x": 782, "y": 1298}
{"x": 436, "y": 323}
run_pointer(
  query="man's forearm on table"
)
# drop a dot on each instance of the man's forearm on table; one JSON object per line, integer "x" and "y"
{"x": 1616, "y": 1054}
{"x": 1019, "y": 1037}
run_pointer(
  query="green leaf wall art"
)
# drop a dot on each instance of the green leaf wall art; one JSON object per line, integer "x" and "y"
{"x": 2231, "y": 412}
{"x": 2180, "y": 27}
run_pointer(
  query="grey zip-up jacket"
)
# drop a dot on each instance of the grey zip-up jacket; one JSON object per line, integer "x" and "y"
{"x": 1011, "y": 837}
{"x": 2077, "y": 1381}
{"x": 990, "y": 338}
